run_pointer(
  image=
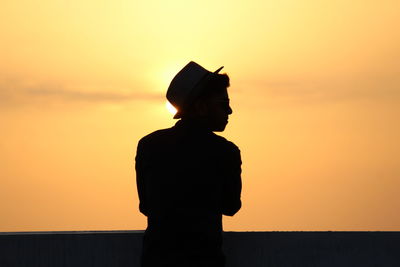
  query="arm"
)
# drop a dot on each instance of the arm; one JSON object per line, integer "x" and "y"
{"x": 140, "y": 183}
{"x": 232, "y": 185}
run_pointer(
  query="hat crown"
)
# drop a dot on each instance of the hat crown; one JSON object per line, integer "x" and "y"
{"x": 187, "y": 85}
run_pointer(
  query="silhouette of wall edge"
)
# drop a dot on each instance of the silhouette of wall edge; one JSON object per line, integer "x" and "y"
{"x": 252, "y": 249}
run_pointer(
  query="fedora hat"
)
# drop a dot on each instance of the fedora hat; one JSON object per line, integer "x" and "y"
{"x": 187, "y": 85}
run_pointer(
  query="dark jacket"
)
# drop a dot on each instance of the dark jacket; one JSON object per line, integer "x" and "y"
{"x": 187, "y": 178}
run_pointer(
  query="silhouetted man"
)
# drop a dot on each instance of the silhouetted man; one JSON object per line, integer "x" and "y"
{"x": 187, "y": 176}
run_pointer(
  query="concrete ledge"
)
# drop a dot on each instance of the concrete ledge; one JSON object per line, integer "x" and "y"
{"x": 244, "y": 249}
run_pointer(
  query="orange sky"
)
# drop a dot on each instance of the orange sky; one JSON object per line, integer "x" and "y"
{"x": 315, "y": 88}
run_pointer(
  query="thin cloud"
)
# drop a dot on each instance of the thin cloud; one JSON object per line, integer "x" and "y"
{"x": 92, "y": 96}
{"x": 14, "y": 93}
{"x": 320, "y": 91}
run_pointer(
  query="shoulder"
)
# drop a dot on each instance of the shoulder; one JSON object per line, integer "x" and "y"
{"x": 229, "y": 153}
{"x": 156, "y": 138}
{"x": 155, "y": 135}
{"x": 225, "y": 144}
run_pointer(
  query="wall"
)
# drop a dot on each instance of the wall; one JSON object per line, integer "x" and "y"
{"x": 122, "y": 248}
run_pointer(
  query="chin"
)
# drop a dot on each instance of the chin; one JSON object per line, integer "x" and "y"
{"x": 219, "y": 128}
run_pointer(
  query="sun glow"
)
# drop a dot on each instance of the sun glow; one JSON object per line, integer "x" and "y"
{"x": 170, "y": 108}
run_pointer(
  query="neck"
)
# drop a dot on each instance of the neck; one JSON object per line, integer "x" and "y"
{"x": 197, "y": 122}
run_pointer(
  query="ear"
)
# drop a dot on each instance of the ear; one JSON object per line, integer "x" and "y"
{"x": 201, "y": 108}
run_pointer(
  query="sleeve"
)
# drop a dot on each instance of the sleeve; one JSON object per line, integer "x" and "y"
{"x": 140, "y": 175}
{"x": 232, "y": 184}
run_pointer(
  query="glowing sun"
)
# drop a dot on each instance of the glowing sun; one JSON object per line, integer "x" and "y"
{"x": 170, "y": 108}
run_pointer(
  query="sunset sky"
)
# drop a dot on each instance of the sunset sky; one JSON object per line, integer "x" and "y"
{"x": 315, "y": 92}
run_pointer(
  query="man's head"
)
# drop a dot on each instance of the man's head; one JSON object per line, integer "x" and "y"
{"x": 201, "y": 95}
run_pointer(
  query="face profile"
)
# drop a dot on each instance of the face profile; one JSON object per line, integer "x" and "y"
{"x": 219, "y": 111}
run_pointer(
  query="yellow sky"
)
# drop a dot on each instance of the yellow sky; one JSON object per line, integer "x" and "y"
{"x": 315, "y": 88}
